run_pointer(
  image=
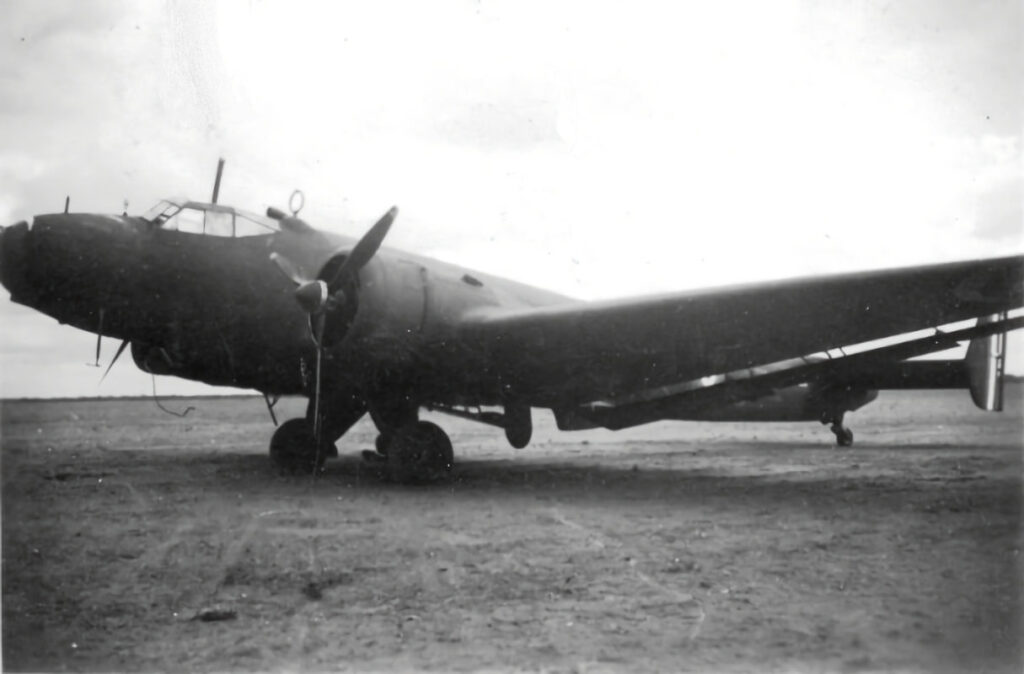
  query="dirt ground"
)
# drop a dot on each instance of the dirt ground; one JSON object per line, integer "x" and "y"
{"x": 672, "y": 547}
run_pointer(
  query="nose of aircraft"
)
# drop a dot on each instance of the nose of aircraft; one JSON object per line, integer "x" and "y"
{"x": 13, "y": 258}
{"x": 64, "y": 264}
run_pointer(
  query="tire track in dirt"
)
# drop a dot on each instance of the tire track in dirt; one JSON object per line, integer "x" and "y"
{"x": 159, "y": 554}
{"x": 306, "y": 611}
{"x": 205, "y": 592}
{"x": 143, "y": 502}
{"x": 299, "y": 624}
{"x": 694, "y": 613}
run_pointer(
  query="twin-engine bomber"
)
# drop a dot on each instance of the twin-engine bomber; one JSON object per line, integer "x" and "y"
{"x": 211, "y": 293}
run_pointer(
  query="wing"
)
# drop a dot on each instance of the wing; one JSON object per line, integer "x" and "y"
{"x": 578, "y": 353}
{"x": 877, "y": 367}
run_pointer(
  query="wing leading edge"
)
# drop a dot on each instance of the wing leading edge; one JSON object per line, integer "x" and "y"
{"x": 580, "y": 353}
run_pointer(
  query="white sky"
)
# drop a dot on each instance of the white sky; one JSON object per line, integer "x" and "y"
{"x": 597, "y": 149}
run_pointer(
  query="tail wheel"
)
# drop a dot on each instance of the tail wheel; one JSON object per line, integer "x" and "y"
{"x": 419, "y": 453}
{"x": 844, "y": 436}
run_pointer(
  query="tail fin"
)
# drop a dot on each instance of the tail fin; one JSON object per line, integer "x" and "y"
{"x": 985, "y": 360}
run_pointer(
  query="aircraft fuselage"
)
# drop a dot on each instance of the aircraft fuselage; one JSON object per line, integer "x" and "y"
{"x": 216, "y": 310}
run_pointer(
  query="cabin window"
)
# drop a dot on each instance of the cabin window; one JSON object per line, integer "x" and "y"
{"x": 186, "y": 220}
{"x": 210, "y": 219}
{"x": 160, "y": 213}
{"x": 219, "y": 224}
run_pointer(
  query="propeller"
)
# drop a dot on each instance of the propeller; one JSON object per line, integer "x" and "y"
{"x": 314, "y": 295}
{"x": 322, "y": 296}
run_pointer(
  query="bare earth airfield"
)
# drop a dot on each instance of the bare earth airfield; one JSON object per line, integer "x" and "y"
{"x": 675, "y": 546}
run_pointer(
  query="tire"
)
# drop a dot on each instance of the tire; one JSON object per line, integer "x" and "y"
{"x": 293, "y": 449}
{"x": 419, "y": 453}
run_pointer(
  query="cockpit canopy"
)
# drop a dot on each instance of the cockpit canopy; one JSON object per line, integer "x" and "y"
{"x": 194, "y": 217}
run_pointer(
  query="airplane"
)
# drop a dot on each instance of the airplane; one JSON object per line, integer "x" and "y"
{"x": 211, "y": 293}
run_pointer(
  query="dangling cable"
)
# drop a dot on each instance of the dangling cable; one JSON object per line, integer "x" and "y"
{"x": 157, "y": 401}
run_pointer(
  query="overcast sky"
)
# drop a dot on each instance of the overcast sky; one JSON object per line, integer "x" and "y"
{"x": 597, "y": 149}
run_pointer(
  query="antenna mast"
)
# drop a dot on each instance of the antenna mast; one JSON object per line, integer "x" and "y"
{"x": 216, "y": 182}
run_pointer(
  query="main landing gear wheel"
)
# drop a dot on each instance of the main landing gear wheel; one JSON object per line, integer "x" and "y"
{"x": 419, "y": 453}
{"x": 293, "y": 448}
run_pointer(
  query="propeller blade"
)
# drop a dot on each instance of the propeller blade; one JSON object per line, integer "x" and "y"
{"x": 365, "y": 249}
{"x": 318, "y": 421}
{"x": 316, "y": 328}
{"x": 288, "y": 268}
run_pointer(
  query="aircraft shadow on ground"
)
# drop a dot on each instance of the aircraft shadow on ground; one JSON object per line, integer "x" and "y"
{"x": 864, "y": 447}
{"x": 558, "y": 480}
